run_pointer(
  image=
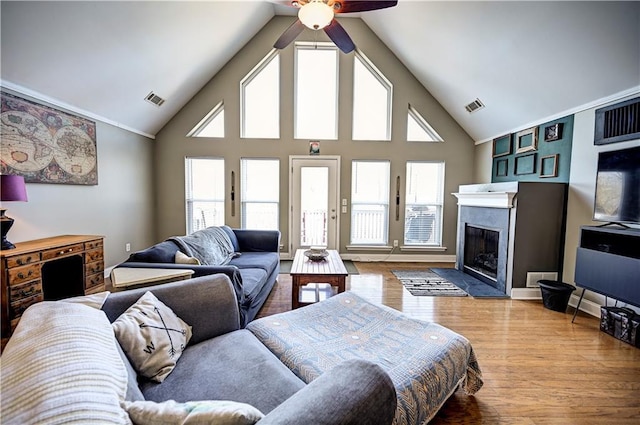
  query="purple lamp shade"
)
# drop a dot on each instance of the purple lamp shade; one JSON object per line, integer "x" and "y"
{"x": 12, "y": 188}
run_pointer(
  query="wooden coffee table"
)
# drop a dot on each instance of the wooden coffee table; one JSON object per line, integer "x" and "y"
{"x": 327, "y": 278}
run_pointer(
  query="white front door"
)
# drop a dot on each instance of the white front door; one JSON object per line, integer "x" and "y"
{"x": 314, "y": 198}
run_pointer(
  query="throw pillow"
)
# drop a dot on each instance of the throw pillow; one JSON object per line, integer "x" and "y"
{"x": 152, "y": 336}
{"x": 219, "y": 412}
{"x": 182, "y": 258}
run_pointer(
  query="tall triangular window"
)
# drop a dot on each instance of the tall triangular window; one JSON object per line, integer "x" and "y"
{"x": 418, "y": 129}
{"x": 260, "y": 100}
{"x": 372, "y": 97}
{"x": 212, "y": 125}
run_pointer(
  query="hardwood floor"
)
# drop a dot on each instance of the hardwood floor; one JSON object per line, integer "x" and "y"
{"x": 538, "y": 367}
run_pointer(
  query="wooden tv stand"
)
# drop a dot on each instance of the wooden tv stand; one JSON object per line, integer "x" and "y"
{"x": 23, "y": 269}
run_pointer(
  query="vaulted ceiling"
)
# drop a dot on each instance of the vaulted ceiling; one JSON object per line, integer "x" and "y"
{"x": 526, "y": 61}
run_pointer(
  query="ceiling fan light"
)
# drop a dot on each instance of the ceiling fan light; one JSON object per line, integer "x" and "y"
{"x": 315, "y": 15}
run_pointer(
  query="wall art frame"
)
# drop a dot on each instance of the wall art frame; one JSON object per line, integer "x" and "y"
{"x": 502, "y": 167}
{"x": 549, "y": 166}
{"x": 525, "y": 164}
{"x": 46, "y": 145}
{"x": 553, "y": 132}
{"x": 527, "y": 140}
{"x": 502, "y": 145}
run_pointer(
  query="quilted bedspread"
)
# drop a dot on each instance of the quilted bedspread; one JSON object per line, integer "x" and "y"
{"x": 426, "y": 362}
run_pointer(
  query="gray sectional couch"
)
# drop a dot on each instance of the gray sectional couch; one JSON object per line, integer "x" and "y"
{"x": 222, "y": 361}
{"x": 253, "y": 271}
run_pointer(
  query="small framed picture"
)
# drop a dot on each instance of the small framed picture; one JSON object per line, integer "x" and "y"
{"x": 502, "y": 145}
{"x": 314, "y": 147}
{"x": 502, "y": 167}
{"x": 527, "y": 140}
{"x": 549, "y": 166}
{"x": 525, "y": 164}
{"x": 553, "y": 132}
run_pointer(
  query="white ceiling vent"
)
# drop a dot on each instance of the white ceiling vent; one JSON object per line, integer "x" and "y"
{"x": 474, "y": 106}
{"x": 154, "y": 98}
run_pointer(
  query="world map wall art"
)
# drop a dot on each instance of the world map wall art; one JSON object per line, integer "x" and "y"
{"x": 45, "y": 145}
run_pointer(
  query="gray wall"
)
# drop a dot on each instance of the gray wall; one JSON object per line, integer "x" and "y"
{"x": 118, "y": 208}
{"x": 173, "y": 146}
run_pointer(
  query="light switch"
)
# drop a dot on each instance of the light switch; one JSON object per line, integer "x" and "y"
{"x": 344, "y": 201}
{"x": 344, "y": 209}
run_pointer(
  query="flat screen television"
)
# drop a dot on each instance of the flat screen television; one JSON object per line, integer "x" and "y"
{"x": 617, "y": 197}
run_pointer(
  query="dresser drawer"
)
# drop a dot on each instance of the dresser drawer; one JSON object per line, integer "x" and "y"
{"x": 19, "y": 306}
{"x": 93, "y": 268}
{"x": 94, "y": 281}
{"x": 25, "y": 290}
{"x": 62, "y": 251}
{"x": 23, "y": 260}
{"x": 93, "y": 244}
{"x": 24, "y": 274}
{"x": 94, "y": 255}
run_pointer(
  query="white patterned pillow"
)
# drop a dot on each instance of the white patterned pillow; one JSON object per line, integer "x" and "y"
{"x": 62, "y": 366}
{"x": 152, "y": 336}
{"x": 219, "y": 412}
{"x": 182, "y": 258}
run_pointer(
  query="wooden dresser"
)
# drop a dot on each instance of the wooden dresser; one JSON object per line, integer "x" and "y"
{"x": 22, "y": 271}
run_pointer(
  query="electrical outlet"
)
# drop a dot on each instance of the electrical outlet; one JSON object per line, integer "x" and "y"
{"x": 127, "y": 247}
{"x": 344, "y": 210}
{"x": 395, "y": 243}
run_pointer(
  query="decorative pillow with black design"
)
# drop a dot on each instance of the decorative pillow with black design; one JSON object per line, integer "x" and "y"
{"x": 152, "y": 337}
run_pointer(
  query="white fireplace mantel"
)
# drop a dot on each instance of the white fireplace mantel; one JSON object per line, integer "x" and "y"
{"x": 486, "y": 199}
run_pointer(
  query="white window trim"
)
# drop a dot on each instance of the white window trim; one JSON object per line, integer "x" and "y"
{"x": 306, "y": 45}
{"x": 385, "y": 82}
{"x": 369, "y": 245}
{"x": 248, "y": 79}
{"x": 243, "y": 182}
{"x": 425, "y": 126}
{"x": 204, "y": 122}
{"x": 188, "y": 180}
{"x": 438, "y": 244}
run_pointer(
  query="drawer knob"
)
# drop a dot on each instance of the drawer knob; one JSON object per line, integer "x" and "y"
{"x": 23, "y": 276}
{"x": 30, "y": 292}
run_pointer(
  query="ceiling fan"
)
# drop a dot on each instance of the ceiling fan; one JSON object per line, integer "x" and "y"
{"x": 319, "y": 14}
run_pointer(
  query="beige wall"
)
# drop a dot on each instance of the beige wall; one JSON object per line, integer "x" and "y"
{"x": 173, "y": 146}
{"x": 118, "y": 208}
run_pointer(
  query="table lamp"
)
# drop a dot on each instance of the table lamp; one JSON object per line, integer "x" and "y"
{"x": 12, "y": 188}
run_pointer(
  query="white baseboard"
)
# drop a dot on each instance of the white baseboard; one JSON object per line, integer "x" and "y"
{"x": 389, "y": 258}
{"x": 587, "y": 306}
{"x": 399, "y": 258}
{"x": 526, "y": 294}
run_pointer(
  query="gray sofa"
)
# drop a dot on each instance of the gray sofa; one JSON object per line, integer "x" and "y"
{"x": 253, "y": 271}
{"x": 221, "y": 362}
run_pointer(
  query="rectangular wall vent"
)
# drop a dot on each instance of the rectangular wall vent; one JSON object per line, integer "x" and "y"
{"x": 534, "y": 277}
{"x": 474, "y": 106}
{"x": 617, "y": 123}
{"x": 154, "y": 98}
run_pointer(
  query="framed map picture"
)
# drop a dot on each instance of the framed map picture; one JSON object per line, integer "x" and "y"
{"x": 45, "y": 145}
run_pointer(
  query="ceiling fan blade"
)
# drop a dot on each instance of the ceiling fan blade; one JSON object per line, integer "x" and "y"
{"x": 339, "y": 36}
{"x": 289, "y": 35}
{"x": 350, "y": 6}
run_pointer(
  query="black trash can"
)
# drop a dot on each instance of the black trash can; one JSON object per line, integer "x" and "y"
{"x": 555, "y": 295}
